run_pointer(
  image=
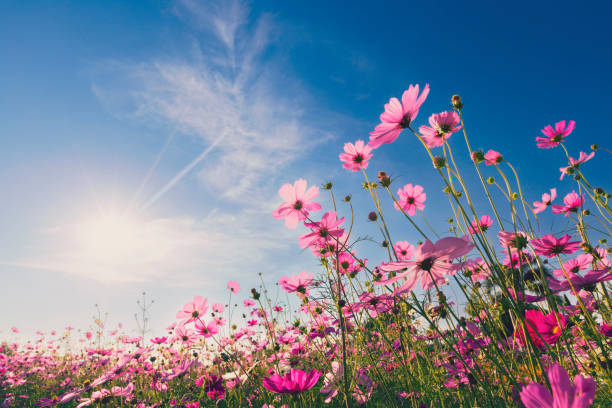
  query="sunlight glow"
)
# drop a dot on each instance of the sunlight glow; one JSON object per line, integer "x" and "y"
{"x": 108, "y": 237}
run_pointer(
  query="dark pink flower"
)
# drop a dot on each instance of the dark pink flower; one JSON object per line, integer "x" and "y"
{"x": 551, "y": 326}
{"x": 411, "y": 199}
{"x": 572, "y": 203}
{"x": 480, "y": 225}
{"x": 492, "y": 157}
{"x": 547, "y": 199}
{"x": 575, "y": 163}
{"x": 579, "y": 282}
{"x": 564, "y": 394}
{"x": 397, "y": 116}
{"x": 293, "y": 382}
{"x": 556, "y": 135}
{"x": 297, "y": 204}
{"x": 356, "y": 156}
{"x": 442, "y": 126}
{"x": 549, "y": 246}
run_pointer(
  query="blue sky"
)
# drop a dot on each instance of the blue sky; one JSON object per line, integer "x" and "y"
{"x": 186, "y": 117}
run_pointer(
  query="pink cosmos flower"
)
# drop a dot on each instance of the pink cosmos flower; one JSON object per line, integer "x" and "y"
{"x": 411, "y": 199}
{"x": 293, "y": 382}
{"x": 549, "y": 246}
{"x": 492, "y": 157}
{"x": 579, "y": 282}
{"x": 556, "y": 135}
{"x": 575, "y": 163}
{"x": 482, "y": 225}
{"x": 185, "y": 335}
{"x": 207, "y": 330}
{"x": 248, "y": 302}
{"x": 478, "y": 268}
{"x": 564, "y": 394}
{"x": 296, "y": 283}
{"x": 442, "y": 126}
{"x": 14, "y": 329}
{"x": 233, "y": 286}
{"x": 193, "y": 310}
{"x": 159, "y": 340}
{"x": 397, "y": 116}
{"x": 332, "y": 381}
{"x": 581, "y": 263}
{"x": 297, "y": 205}
{"x": 218, "y": 308}
{"x": 431, "y": 264}
{"x": 347, "y": 265}
{"x": 356, "y": 155}
{"x": 551, "y": 326}
{"x": 404, "y": 250}
{"x": 323, "y": 232}
{"x": 547, "y": 200}
{"x": 572, "y": 203}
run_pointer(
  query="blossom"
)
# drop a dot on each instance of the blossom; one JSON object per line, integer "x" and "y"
{"x": 159, "y": 340}
{"x": 296, "y": 283}
{"x": 549, "y": 246}
{"x": 478, "y": 268}
{"x": 398, "y": 116}
{"x": 442, "y": 126}
{"x": 547, "y": 200}
{"x": 293, "y": 382}
{"x": 541, "y": 328}
{"x": 492, "y": 157}
{"x": 404, "y": 250}
{"x": 480, "y": 225}
{"x": 185, "y": 335}
{"x": 564, "y": 394}
{"x": 513, "y": 240}
{"x": 579, "y": 282}
{"x": 431, "y": 264}
{"x": 325, "y": 231}
{"x": 356, "y": 155}
{"x": 218, "y": 308}
{"x": 193, "y": 310}
{"x": 556, "y": 135}
{"x": 572, "y": 202}
{"x": 575, "y": 163}
{"x": 297, "y": 204}
{"x": 207, "y": 330}
{"x": 233, "y": 286}
{"x": 411, "y": 199}
{"x": 332, "y": 381}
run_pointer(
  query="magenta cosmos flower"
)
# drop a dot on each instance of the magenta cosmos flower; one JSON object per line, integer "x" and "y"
{"x": 549, "y": 246}
{"x": 564, "y": 394}
{"x": 297, "y": 205}
{"x": 480, "y": 225}
{"x": 556, "y": 135}
{"x": 296, "y": 283}
{"x": 356, "y": 156}
{"x": 323, "y": 232}
{"x": 572, "y": 202}
{"x": 432, "y": 263}
{"x": 193, "y": 310}
{"x": 411, "y": 199}
{"x": 397, "y": 116}
{"x": 575, "y": 163}
{"x": 541, "y": 328}
{"x": 404, "y": 250}
{"x": 293, "y": 382}
{"x": 547, "y": 199}
{"x": 442, "y": 126}
{"x": 492, "y": 157}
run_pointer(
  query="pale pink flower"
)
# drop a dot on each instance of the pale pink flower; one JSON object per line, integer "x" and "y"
{"x": 442, "y": 126}
{"x": 492, "y": 157}
{"x": 478, "y": 268}
{"x": 404, "y": 250}
{"x": 356, "y": 155}
{"x": 218, "y": 308}
{"x": 547, "y": 200}
{"x": 323, "y": 232}
{"x": 296, "y": 283}
{"x": 397, "y": 116}
{"x": 575, "y": 163}
{"x": 564, "y": 394}
{"x": 185, "y": 335}
{"x": 297, "y": 205}
{"x": 572, "y": 202}
{"x": 556, "y": 135}
{"x": 233, "y": 286}
{"x": 514, "y": 240}
{"x": 480, "y": 225}
{"x": 207, "y": 330}
{"x": 193, "y": 310}
{"x": 411, "y": 199}
{"x": 332, "y": 381}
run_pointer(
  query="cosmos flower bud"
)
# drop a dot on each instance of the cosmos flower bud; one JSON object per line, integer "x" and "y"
{"x": 328, "y": 185}
{"x": 594, "y": 147}
{"x": 514, "y": 196}
{"x": 385, "y": 244}
{"x": 385, "y": 180}
{"x": 347, "y": 198}
{"x": 491, "y": 180}
{"x": 586, "y": 212}
{"x": 341, "y": 303}
{"x": 439, "y": 162}
{"x": 477, "y": 156}
{"x": 254, "y": 294}
{"x": 456, "y": 102}
{"x": 447, "y": 190}
{"x": 372, "y": 216}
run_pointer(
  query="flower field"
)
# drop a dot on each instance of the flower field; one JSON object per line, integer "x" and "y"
{"x": 531, "y": 325}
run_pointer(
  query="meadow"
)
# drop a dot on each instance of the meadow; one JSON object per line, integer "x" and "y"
{"x": 532, "y": 325}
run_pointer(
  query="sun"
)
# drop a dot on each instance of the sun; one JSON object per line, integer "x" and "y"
{"x": 108, "y": 237}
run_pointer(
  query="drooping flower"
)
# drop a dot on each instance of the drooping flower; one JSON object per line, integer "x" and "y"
{"x": 492, "y": 157}
{"x": 547, "y": 200}
{"x": 193, "y": 310}
{"x": 564, "y": 394}
{"x": 431, "y": 264}
{"x": 550, "y": 246}
{"x": 411, "y": 199}
{"x": 297, "y": 203}
{"x": 323, "y": 232}
{"x": 575, "y": 163}
{"x": 294, "y": 382}
{"x": 442, "y": 126}
{"x": 296, "y": 283}
{"x": 572, "y": 202}
{"x": 480, "y": 225}
{"x": 404, "y": 250}
{"x": 556, "y": 135}
{"x": 398, "y": 116}
{"x": 356, "y": 156}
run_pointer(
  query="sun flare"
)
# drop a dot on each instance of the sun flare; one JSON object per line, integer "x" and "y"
{"x": 108, "y": 237}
